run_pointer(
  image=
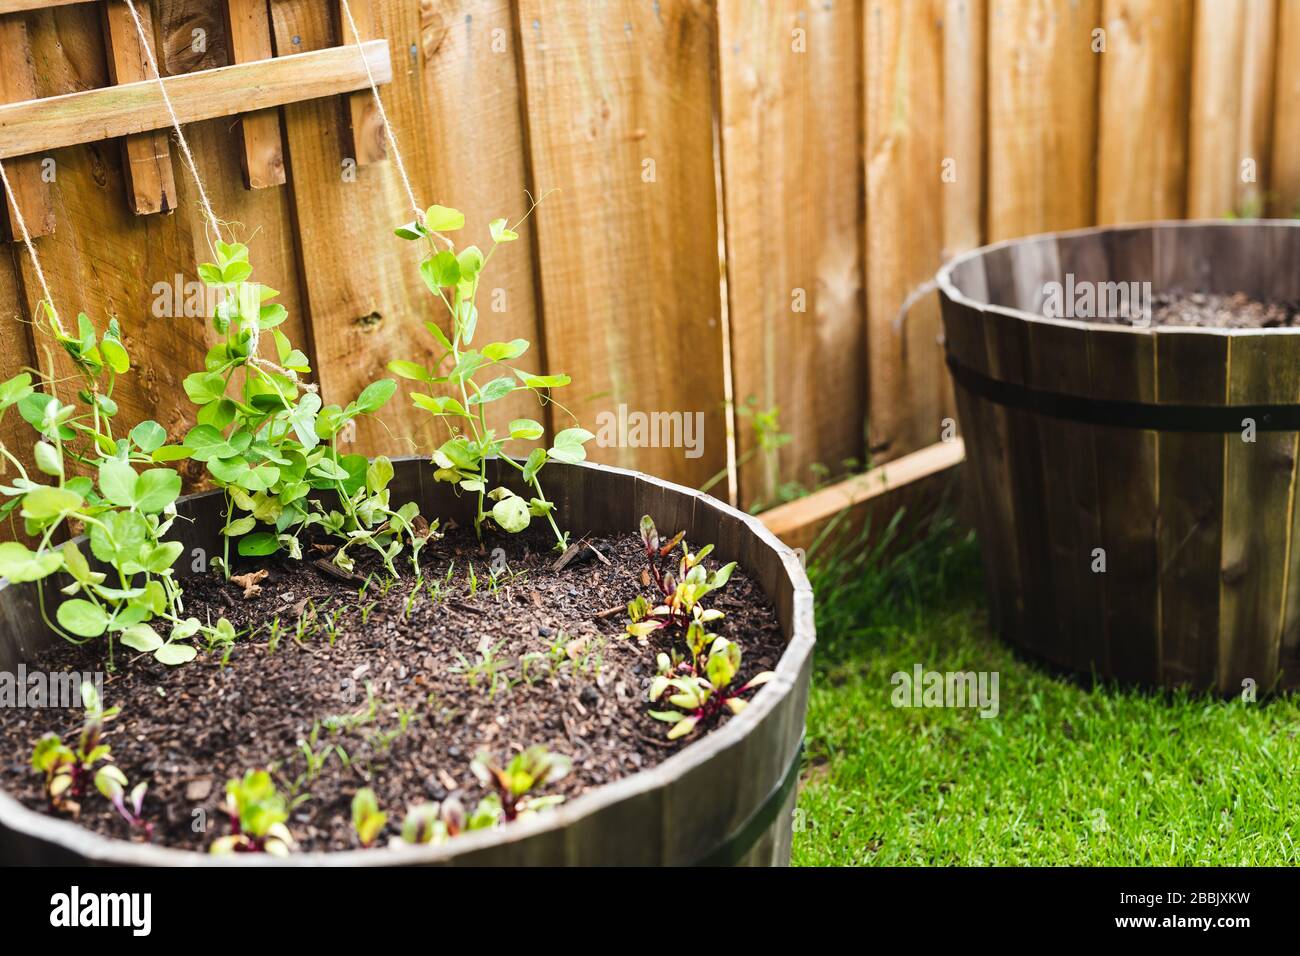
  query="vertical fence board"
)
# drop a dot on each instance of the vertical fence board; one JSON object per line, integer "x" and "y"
{"x": 361, "y": 284}
{"x": 248, "y": 37}
{"x": 1142, "y": 119}
{"x": 1231, "y": 107}
{"x": 790, "y": 77}
{"x": 964, "y": 25}
{"x": 1285, "y": 169}
{"x": 1042, "y": 115}
{"x": 17, "y": 83}
{"x": 620, "y": 119}
{"x": 904, "y": 155}
{"x": 477, "y": 165}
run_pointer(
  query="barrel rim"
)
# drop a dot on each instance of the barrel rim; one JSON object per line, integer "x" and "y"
{"x": 97, "y": 848}
{"x": 948, "y": 287}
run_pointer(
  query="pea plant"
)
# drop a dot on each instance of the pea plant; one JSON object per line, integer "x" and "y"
{"x": 473, "y": 378}
{"x": 681, "y": 595}
{"x": 511, "y": 784}
{"x": 69, "y": 770}
{"x": 265, "y": 437}
{"x": 104, "y": 481}
{"x": 701, "y": 690}
{"x": 257, "y": 818}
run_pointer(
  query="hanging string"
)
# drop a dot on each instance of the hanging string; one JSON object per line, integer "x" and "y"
{"x": 213, "y": 224}
{"x": 31, "y": 249}
{"x": 388, "y": 127}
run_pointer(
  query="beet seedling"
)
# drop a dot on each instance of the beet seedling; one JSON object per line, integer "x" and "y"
{"x": 682, "y": 593}
{"x": 257, "y": 818}
{"x": 701, "y": 693}
{"x": 526, "y": 771}
{"x": 367, "y": 819}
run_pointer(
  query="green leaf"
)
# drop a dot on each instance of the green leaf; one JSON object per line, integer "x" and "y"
{"x": 48, "y": 459}
{"x": 470, "y": 261}
{"x": 439, "y": 271}
{"x": 443, "y": 219}
{"x": 303, "y": 420}
{"x": 411, "y": 370}
{"x": 239, "y": 526}
{"x": 536, "y": 458}
{"x": 544, "y": 381}
{"x": 82, "y": 618}
{"x": 155, "y": 489}
{"x": 203, "y": 388}
{"x": 568, "y": 445}
{"x": 114, "y": 354}
{"x": 439, "y": 404}
{"x": 174, "y": 655}
{"x": 258, "y": 544}
{"x": 511, "y": 513}
{"x": 141, "y": 637}
{"x": 117, "y": 482}
{"x": 120, "y": 537}
{"x": 169, "y": 453}
{"x": 50, "y": 502}
{"x": 269, "y": 316}
{"x": 436, "y": 331}
{"x": 148, "y": 436}
{"x": 493, "y": 391}
{"x": 501, "y": 232}
{"x": 525, "y": 429}
{"x": 379, "y": 474}
{"x": 375, "y": 395}
{"x": 410, "y": 231}
{"x": 504, "y": 351}
{"x": 18, "y": 563}
{"x": 14, "y": 390}
{"x": 163, "y": 556}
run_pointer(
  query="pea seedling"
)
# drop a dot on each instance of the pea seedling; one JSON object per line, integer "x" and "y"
{"x": 453, "y": 277}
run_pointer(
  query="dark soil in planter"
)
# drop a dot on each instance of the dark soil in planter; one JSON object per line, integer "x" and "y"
{"x": 187, "y": 730}
{"x": 1214, "y": 311}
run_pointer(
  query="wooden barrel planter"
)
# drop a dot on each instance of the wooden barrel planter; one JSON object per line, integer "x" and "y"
{"x": 1129, "y": 528}
{"x": 727, "y": 798}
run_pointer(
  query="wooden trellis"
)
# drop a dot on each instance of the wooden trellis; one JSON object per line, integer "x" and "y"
{"x": 255, "y": 82}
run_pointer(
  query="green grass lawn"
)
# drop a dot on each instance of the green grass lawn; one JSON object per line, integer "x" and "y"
{"x": 1062, "y": 775}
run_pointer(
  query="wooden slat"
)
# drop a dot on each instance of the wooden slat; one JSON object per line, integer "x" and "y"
{"x": 629, "y": 267}
{"x": 151, "y": 187}
{"x": 1189, "y": 367}
{"x": 22, "y": 6}
{"x": 1259, "y": 485}
{"x": 790, "y": 79}
{"x": 1042, "y": 108}
{"x": 964, "y": 38}
{"x": 478, "y": 164}
{"x": 97, "y": 114}
{"x": 248, "y": 37}
{"x": 904, "y": 152}
{"x": 1231, "y": 106}
{"x": 361, "y": 316}
{"x": 17, "y": 83}
{"x": 1142, "y": 121}
{"x": 15, "y": 434}
{"x": 1284, "y": 183}
{"x": 919, "y": 479}
{"x": 366, "y": 142}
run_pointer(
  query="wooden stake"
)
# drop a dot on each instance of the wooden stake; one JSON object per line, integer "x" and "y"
{"x": 248, "y": 29}
{"x": 365, "y": 140}
{"x": 18, "y": 82}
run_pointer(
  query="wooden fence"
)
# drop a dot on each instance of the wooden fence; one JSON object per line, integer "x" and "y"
{"x": 742, "y": 196}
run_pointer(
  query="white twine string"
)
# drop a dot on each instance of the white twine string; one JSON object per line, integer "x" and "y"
{"x": 213, "y": 223}
{"x": 388, "y": 127}
{"x": 254, "y": 329}
{"x": 31, "y": 249}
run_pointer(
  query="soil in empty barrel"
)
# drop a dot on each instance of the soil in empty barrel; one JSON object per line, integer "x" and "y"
{"x": 1217, "y": 311}
{"x": 389, "y": 691}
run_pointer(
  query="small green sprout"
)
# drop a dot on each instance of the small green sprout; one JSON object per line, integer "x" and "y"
{"x": 367, "y": 819}
{"x": 257, "y": 817}
{"x": 526, "y": 771}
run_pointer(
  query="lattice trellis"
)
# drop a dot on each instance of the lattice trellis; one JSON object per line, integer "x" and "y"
{"x": 254, "y": 83}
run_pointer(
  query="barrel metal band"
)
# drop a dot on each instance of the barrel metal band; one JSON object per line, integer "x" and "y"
{"x": 1210, "y": 419}
{"x": 734, "y": 848}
